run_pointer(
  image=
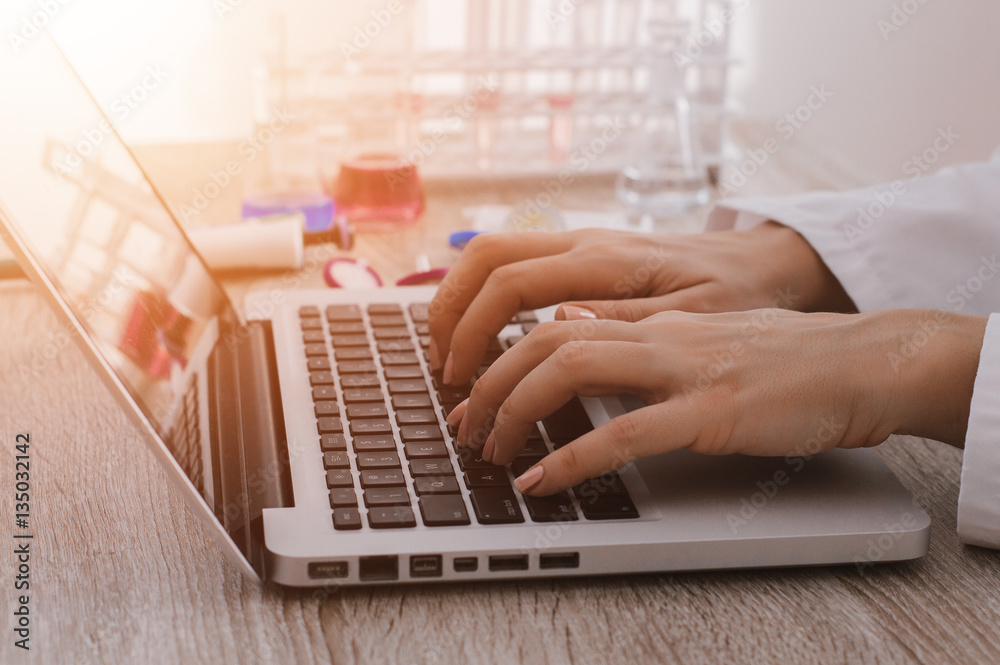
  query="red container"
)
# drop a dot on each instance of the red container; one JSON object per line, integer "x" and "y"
{"x": 379, "y": 190}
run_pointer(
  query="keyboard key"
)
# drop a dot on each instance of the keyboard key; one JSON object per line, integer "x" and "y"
{"x": 383, "y": 478}
{"x": 333, "y": 460}
{"x": 339, "y": 478}
{"x": 343, "y": 313}
{"x": 496, "y": 505}
{"x": 608, "y": 484}
{"x": 349, "y": 340}
{"x": 425, "y": 449}
{"x": 380, "y": 308}
{"x": 416, "y": 416}
{"x": 425, "y": 341}
{"x": 318, "y": 364}
{"x": 387, "y": 320}
{"x": 525, "y": 317}
{"x": 473, "y": 459}
{"x": 346, "y": 518}
{"x": 438, "y": 485}
{"x": 355, "y": 366}
{"x": 308, "y": 311}
{"x": 323, "y": 393}
{"x": 330, "y": 442}
{"x": 487, "y": 478}
{"x": 355, "y": 395}
{"x": 422, "y": 329}
{"x": 609, "y": 508}
{"x": 402, "y": 358}
{"x": 325, "y": 425}
{"x": 347, "y": 328}
{"x": 343, "y": 497}
{"x": 352, "y": 353}
{"x": 453, "y": 393}
{"x": 387, "y": 496}
{"x": 404, "y": 372}
{"x": 359, "y": 381}
{"x": 443, "y": 510}
{"x": 556, "y": 508}
{"x": 392, "y": 333}
{"x": 313, "y": 337}
{"x": 371, "y": 426}
{"x": 534, "y": 448}
{"x": 367, "y": 410}
{"x": 528, "y": 327}
{"x": 418, "y": 311}
{"x": 407, "y": 386}
{"x": 420, "y": 433}
{"x": 411, "y": 400}
{"x": 440, "y": 466}
{"x": 316, "y": 349}
{"x": 312, "y": 323}
{"x": 326, "y": 408}
{"x": 320, "y": 378}
{"x": 520, "y": 465}
{"x": 391, "y": 517}
{"x": 394, "y": 345}
{"x": 374, "y": 442}
{"x": 378, "y": 460}
{"x": 568, "y": 423}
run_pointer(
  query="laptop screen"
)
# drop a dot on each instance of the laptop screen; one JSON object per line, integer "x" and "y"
{"x": 83, "y": 209}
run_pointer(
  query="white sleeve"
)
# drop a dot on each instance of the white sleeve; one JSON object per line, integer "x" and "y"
{"x": 931, "y": 242}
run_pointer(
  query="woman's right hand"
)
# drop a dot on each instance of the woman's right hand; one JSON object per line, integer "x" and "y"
{"x": 619, "y": 275}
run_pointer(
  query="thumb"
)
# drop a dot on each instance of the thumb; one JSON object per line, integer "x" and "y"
{"x": 633, "y": 309}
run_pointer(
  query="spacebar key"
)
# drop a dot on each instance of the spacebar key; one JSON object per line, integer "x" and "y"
{"x": 496, "y": 505}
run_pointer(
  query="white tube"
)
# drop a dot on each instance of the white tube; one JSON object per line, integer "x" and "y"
{"x": 272, "y": 244}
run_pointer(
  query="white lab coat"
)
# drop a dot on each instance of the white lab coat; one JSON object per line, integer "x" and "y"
{"x": 931, "y": 242}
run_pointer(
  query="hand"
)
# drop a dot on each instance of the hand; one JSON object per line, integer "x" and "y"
{"x": 766, "y": 382}
{"x": 618, "y": 275}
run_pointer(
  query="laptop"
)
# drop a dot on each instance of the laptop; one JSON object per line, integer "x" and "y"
{"x": 308, "y": 435}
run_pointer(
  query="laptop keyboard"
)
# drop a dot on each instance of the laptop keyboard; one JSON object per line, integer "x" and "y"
{"x": 389, "y": 463}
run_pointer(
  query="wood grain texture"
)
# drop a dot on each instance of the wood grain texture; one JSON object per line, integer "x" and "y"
{"x": 122, "y": 573}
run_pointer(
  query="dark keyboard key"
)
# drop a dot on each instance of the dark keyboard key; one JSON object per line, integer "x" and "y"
{"x": 418, "y": 311}
{"x": 496, "y": 505}
{"x": 355, "y": 395}
{"x": 416, "y": 416}
{"x": 387, "y": 320}
{"x": 380, "y": 308}
{"x": 378, "y": 460}
{"x": 394, "y": 345}
{"x": 373, "y": 442}
{"x": 383, "y": 478}
{"x": 487, "y": 477}
{"x": 333, "y": 442}
{"x": 556, "y": 508}
{"x": 407, "y": 386}
{"x": 534, "y": 448}
{"x": 520, "y": 465}
{"x": 352, "y": 353}
{"x": 568, "y": 423}
{"x": 443, "y": 510}
{"x": 355, "y": 366}
{"x": 391, "y": 517}
{"x": 404, "y": 372}
{"x": 411, "y": 400}
{"x": 312, "y": 323}
{"x": 438, "y": 485}
{"x": 326, "y": 409}
{"x": 324, "y": 393}
{"x": 334, "y": 460}
{"x": 316, "y": 349}
{"x": 387, "y": 496}
{"x": 367, "y": 410}
{"x": 343, "y": 497}
{"x": 440, "y": 466}
{"x": 359, "y": 381}
{"x": 425, "y": 449}
{"x": 454, "y": 393}
{"x": 346, "y": 518}
{"x": 314, "y": 337}
{"x": 608, "y": 484}
{"x": 609, "y": 508}
{"x": 318, "y": 364}
{"x": 325, "y": 425}
{"x": 308, "y": 311}
{"x": 349, "y": 340}
{"x": 339, "y": 478}
{"x": 473, "y": 459}
{"x": 535, "y": 434}
{"x": 402, "y": 358}
{"x": 320, "y": 378}
{"x": 343, "y": 313}
{"x": 420, "y": 433}
{"x": 371, "y": 426}
{"x": 347, "y": 328}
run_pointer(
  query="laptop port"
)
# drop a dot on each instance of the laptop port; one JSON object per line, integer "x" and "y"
{"x": 502, "y": 562}
{"x": 325, "y": 570}
{"x": 466, "y": 564}
{"x": 425, "y": 565}
{"x": 559, "y": 560}
{"x": 378, "y": 568}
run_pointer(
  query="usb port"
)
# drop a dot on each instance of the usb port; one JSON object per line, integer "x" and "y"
{"x": 377, "y": 568}
{"x": 501, "y": 562}
{"x": 466, "y": 564}
{"x": 425, "y": 565}
{"x": 559, "y": 560}
{"x": 324, "y": 570}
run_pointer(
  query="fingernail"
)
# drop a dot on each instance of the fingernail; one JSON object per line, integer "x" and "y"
{"x": 575, "y": 313}
{"x": 434, "y": 355}
{"x": 448, "y": 369}
{"x": 529, "y": 478}
{"x": 458, "y": 412}
{"x": 488, "y": 448}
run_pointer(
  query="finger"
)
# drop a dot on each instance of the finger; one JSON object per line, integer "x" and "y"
{"x": 484, "y": 254}
{"x": 660, "y": 428}
{"x": 489, "y": 392}
{"x": 692, "y": 299}
{"x": 576, "y": 368}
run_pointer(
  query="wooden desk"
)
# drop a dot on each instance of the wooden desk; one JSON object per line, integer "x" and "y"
{"x": 123, "y": 574}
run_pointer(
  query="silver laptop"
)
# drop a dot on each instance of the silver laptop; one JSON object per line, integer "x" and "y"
{"x": 310, "y": 438}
